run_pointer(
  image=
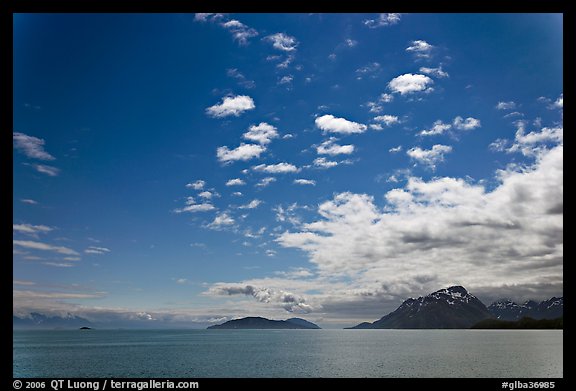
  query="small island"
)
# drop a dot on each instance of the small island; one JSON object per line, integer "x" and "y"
{"x": 259, "y": 323}
{"x": 85, "y": 328}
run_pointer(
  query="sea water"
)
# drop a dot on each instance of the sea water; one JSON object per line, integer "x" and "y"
{"x": 288, "y": 353}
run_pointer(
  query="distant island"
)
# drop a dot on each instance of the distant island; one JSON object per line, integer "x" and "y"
{"x": 524, "y": 323}
{"x": 260, "y": 323}
{"x": 85, "y": 328}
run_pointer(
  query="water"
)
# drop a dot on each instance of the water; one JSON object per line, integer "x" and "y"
{"x": 288, "y": 353}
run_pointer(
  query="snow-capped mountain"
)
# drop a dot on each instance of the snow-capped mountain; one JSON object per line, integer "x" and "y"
{"x": 506, "y": 309}
{"x": 449, "y": 308}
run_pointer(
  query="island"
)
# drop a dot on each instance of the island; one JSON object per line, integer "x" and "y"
{"x": 85, "y": 328}
{"x": 259, "y": 323}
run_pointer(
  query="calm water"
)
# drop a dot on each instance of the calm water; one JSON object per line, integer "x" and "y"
{"x": 288, "y": 353}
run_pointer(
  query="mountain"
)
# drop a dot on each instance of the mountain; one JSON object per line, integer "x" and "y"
{"x": 263, "y": 323}
{"x": 450, "y": 308}
{"x": 36, "y": 320}
{"x": 524, "y": 323}
{"x": 506, "y": 309}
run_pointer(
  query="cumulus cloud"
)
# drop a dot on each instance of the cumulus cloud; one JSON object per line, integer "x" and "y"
{"x": 264, "y": 182}
{"x": 287, "y": 300}
{"x": 438, "y": 128}
{"x": 443, "y": 231}
{"x": 235, "y": 182}
{"x": 466, "y": 124}
{"x": 239, "y": 31}
{"x": 322, "y": 162}
{"x": 429, "y": 157}
{"x": 48, "y": 170}
{"x": 410, "y": 83}
{"x": 436, "y": 72}
{"x": 33, "y": 245}
{"x": 207, "y": 195}
{"x": 97, "y": 250}
{"x": 279, "y": 168}
{"x": 531, "y": 143}
{"x": 282, "y": 42}
{"x": 387, "y": 119}
{"x": 231, "y": 105}
{"x": 262, "y": 133}
{"x": 385, "y": 19}
{"x": 243, "y": 152}
{"x": 196, "y": 185}
{"x": 305, "y": 182}
{"x": 222, "y": 220}
{"x": 329, "y": 147}
{"x": 193, "y": 208}
{"x": 30, "y": 229}
{"x": 251, "y": 205}
{"x": 506, "y": 105}
{"x": 32, "y": 147}
{"x": 420, "y": 48}
{"x": 329, "y": 123}
{"x": 395, "y": 149}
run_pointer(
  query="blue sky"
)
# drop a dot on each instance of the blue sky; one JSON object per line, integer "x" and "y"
{"x": 194, "y": 168}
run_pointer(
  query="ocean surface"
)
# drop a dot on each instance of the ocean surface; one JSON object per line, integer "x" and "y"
{"x": 288, "y": 353}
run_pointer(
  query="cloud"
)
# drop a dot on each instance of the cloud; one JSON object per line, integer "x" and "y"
{"x": 329, "y": 147}
{"x": 29, "y": 201}
{"x": 48, "y": 170}
{"x": 262, "y": 133}
{"x": 420, "y": 48}
{"x": 279, "y": 168}
{"x": 507, "y": 237}
{"x": 429, "y": 157}
{"x": 282, "y": 42}
{"x": 286, "y": 79}
{"x": 410, "y": 83}
{"x": 329, "y": 123}
{"x": 436, "y": 72}
{"x": 371, "y": 69}
{"x": 322, "y": 162}
{"x": 395, "y": 149}
{"x": 242, "y": 80}
{"x": 466, "y": 124}
{"x": 197, "y": 185}
{"x": 288, "y": 301}
{"x": 506, "y": 105}
{"x": 387, "y": 119}
{"x": 30, "y": 229}
{"x": 304, "y": 182}
{"x": 32, "y": 147}
{"x": 533, "y": 143}
{"x": 251, "y": 205}
{"x": 32, "y": 245}
{"x": 264, "y": 182}
{"x": 240, "y": 32}
{"x": 385, "y": 19}
{"x": 559, "y": 103}
{"x": 235, "y": 182}
{"x": 205, "y": 207}
{"x": 350, "y": 43}
{"x": 181, "y": 281}
{"x": 97, "y": 250}
{"x": 438, "y": 128}
{"x": 221, "y": 221}
{"x": 231, "y": 105}
{"x": 243, "y": 152}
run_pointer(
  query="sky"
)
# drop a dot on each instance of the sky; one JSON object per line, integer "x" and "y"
{"x": 187, "y": 169}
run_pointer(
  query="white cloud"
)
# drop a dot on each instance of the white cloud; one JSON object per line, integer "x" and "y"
{"x": 286, "y": 300}
{"x": 251, "y": 205}
{"x": 97, "y": 250}
{"x": 206, "y": 195}
{"x": 197, "y": 185}
{"x": 305, "y": 182}
{"x": 240, "y": 32}
{"x": 350, "y": 43}
{"x": 329, "y": 123}
{"x": 371, "y": 69}
{"x": 436, "y": 72}
{"x": 387, "y": 119}
{"x": 181, "y": 281}
{"x": 420, "y": 48}
{"x": 466, "y": 124}
{"x": 279, "y": 168}
{"x": 231, "y": 105}
{"x": 221, "y": 220}
{"x": 237, "y": 194}
{"x": 532, "y": 143}
{"x": 329, "y": 147}
{"x": 242, "y": 80}
{"x": 32, "y": 245}
{"x": 235, "y": 182}
{"x": 410, "y": 83}
{"x": 386, "y": 98}
{"x": 286, "y": 79}
{"x": 429, "y": 157}
{"x": 506, "y": 105}
{"x": 263, "y": 133}
{"x": 395, "y": 149}
{"x": 282, "y": 42}
{"x": 48, "y": 170}
{"x": 193, "y": 208}
{"x": 559, "y": 103}
{"x": 376, "y": 127}
{"x": 438, "y": 128}
{"x": 266, "y": 181}
{"x": 243, "y": 152}
{"x": 32, "y": 147}
{"x": 322, "y": 162}
{"x": 29, "y": 201}
{"x": 31, "y": 229}
{"x": 385, "y": 19}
